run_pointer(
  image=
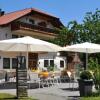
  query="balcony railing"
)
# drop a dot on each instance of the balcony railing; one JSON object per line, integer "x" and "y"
{"x": 22, "y": 25}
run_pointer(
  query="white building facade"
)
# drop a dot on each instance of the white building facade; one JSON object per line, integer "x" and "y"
{"x": 30, "y": 22}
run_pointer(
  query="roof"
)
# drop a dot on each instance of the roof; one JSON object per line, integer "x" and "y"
{"x": 7, "y": 18}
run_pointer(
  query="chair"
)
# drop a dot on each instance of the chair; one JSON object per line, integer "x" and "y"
{"x": 56, "y": 80}
{"x": 51, "y": 80}
{"x": 74, "y": 80}
{"x": 58, "y": 77}
{"x": 76, "y": 77}
{"x": 33, "y": 78}
{"x": 12, "y": 79}
{"x": 2, "y": 80}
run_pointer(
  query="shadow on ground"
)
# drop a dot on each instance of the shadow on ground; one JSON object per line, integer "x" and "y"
{"x": 73, "y": 98}
{"x": 69, "y": 89}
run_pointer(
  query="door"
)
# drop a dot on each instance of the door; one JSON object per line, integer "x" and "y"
{"x": 33, "y": 59}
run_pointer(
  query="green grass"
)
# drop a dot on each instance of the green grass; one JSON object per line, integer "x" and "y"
{"x": 90, "y": 98}
{"x": 6, "y": 96}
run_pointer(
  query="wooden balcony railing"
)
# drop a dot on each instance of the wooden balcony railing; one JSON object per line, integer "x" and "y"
{"x": 22, "y": 25}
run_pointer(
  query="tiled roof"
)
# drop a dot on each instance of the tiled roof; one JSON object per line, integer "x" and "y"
{"x": 7, "y": 18}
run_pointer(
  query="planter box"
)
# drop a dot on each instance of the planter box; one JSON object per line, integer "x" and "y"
{"x": 85, "y": 87}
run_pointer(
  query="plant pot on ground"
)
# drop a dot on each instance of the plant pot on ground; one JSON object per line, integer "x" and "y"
{"x": 85, "y": 83}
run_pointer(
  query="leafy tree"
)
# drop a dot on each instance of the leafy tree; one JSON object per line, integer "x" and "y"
{"x": 89, "y": 30}
{"x": 64, "y": 37}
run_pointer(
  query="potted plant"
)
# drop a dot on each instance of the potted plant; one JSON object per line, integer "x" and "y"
{"x": 85, "y": 83}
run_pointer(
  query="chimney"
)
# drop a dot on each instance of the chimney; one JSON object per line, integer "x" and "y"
{"x": 1, "y": 12}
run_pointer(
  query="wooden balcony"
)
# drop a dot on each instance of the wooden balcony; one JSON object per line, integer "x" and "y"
{"x": 21, "y": 25}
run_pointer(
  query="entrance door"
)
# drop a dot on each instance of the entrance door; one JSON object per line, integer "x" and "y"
{"x": 33, "y": 58}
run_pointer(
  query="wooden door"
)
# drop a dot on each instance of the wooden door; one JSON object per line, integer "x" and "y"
{"x": 33, "y": 59}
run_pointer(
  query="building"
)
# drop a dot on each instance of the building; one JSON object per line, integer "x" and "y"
{"x": 35, "y": 23}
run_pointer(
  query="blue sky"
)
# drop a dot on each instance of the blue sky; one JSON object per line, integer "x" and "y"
{"x": 66, "y": 10}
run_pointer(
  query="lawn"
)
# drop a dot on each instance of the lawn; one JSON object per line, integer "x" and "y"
{"x": 5, "y": 96}
{"x": 90, "y": 98}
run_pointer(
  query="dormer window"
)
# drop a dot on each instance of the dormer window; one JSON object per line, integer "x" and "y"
{"x": 42, "y": 24}
{"x": 31, "y": 21}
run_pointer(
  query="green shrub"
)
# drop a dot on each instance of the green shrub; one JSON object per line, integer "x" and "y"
{"x": 90, "y": 98}
{"x": 97, "y": 79}
{"x": 86, "y": 75}
{"x": 50, "y": 68}
{"x": 93, "y": 64}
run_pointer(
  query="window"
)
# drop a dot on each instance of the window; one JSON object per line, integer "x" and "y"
{"x": 21, "y": 36}
{"x": 31, "y": 21}
{"x": 42, "y": 24}
{"x": 46, "y": 63}
{"x": 61, "y": 63}
{"x": 24, "y": 62}
{"x": 14, "y": 63}
{"x": 6, "y": 63}
{"x": 14, "y": 36}
{"x": 52, "y": 63}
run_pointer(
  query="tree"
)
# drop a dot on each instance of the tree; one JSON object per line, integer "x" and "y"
{"x": 89, "y": 30}
{"x": 64, "y": 37}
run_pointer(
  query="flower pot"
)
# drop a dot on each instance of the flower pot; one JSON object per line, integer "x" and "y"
{"x": 85, "y": 87}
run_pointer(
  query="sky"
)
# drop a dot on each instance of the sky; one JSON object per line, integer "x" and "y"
{"x": 66, "y": 10}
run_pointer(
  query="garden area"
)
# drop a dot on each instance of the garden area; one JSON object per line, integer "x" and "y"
{"x": 79, "y": 33}
{"x": 90, "y": 98}
{"x": 88, "y": 79}
{"x": 6, "y": 96}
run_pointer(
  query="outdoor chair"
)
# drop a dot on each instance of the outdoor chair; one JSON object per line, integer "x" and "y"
{"x": 47, "y": 82}
{"x": 33, "y": 78}
{"x": 51, "y": 80}
{"x": 75, "y": 82}
{"x": 12, "y": 79}
{"x": 2, "y": 80}
{"x": 55, "y": 79}
{"x": 2, "y": 76}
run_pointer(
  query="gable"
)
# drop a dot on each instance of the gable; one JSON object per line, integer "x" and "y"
{"x": 8, "y": 18}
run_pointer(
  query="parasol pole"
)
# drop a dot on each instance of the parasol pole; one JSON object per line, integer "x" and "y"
{"x": 86, "y": 59}
{"x": 27, "y": 58}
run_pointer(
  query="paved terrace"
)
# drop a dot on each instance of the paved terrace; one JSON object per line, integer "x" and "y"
{"x": 60, "y": 91}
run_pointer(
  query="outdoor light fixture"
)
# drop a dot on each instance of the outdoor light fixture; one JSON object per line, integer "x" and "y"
{"x": 58, "y": 53}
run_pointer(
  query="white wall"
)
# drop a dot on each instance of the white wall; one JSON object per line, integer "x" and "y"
{"x": 51, "y": 56}
{"x": 8, "y": 55}
{"x": 57, "y": 62}
{"x": 5, "y": 33}
{"x": 37, "y": 20}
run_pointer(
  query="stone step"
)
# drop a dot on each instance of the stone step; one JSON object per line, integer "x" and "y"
{"x": 22, "y": 74}
{"x": 22, "y": 81}
{"x": 22, "y": 78}
{"x": 22, "y": 70}
{"x": 22, "y": 85}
